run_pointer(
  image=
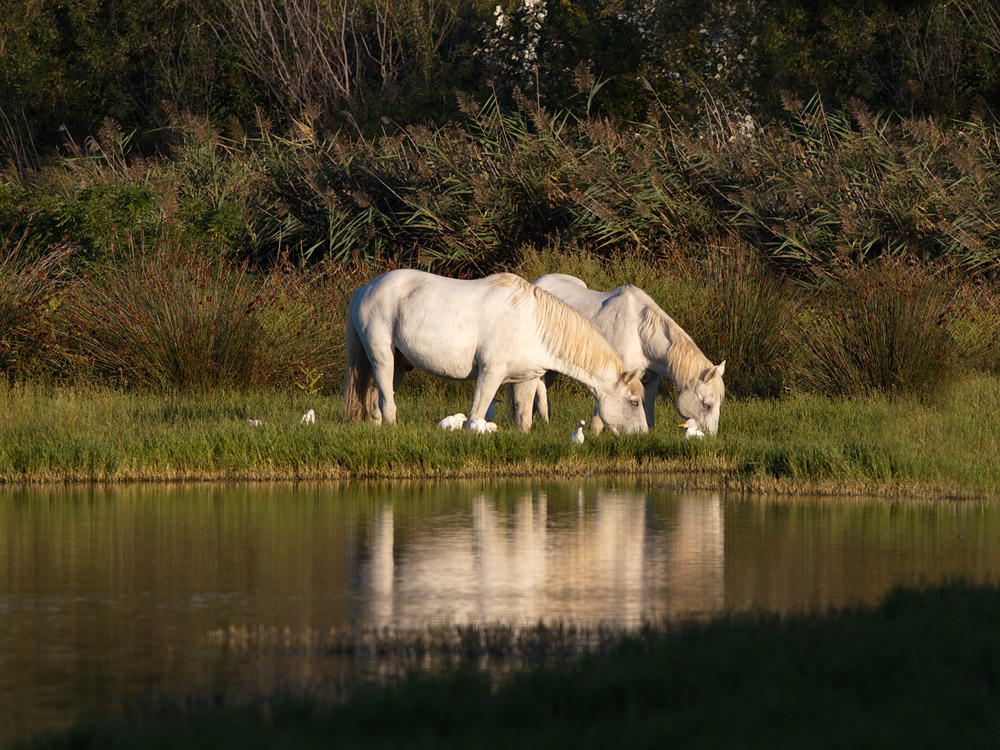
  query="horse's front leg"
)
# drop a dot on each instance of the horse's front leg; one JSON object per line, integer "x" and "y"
{"x": 522, "y": 399}
{"x": 541, "y": 400}
{"x": 487, "y": 385}
{"x": 596, "y": 423}
{"x": 652, "y": 386}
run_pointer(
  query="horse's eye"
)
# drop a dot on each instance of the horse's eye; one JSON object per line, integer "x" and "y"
{"x": 634, "y": 402}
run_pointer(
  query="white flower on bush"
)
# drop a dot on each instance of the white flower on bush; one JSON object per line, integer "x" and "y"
{"x": 513, "y": 45}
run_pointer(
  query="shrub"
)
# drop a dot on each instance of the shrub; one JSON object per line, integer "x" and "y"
{"x": 977, "y": 326}
{"x": 304, "y": 320}
{"x": 748, "y": 312}
{"x": 28, "y": 282}
{"x": 173, "y": 319}
{"x": 882, "y": 330}
{"x": 170, "y": 319}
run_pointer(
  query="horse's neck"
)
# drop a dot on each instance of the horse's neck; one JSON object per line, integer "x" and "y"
{"x": 596, "y": 380}
{"x": 575, "y": 347}
{"x": 675, "y": 351}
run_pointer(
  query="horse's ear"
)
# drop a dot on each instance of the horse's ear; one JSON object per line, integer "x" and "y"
{"x": 715, "y": 372}
{"x": 629, "y": 376}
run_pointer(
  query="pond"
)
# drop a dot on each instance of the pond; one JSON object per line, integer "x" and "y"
{"x": 114, "y": 596}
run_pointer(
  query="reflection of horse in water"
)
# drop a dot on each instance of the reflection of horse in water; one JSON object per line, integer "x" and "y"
{"x": 500, "y": 329}
{"x": 603, "y": 560}
{"x": 648, "y": 340}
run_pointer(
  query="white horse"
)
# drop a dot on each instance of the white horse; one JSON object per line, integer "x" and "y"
{"x": 500, "y": 329}
{"x": 648, "y": 341}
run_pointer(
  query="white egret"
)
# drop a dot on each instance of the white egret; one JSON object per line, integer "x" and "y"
{"x": 577, "y": 437}
{"x": 480, "y": 426}
{"x": 454, "y": 422}
{"x": 693, "y": 430}
{"x": 308, "y": 418}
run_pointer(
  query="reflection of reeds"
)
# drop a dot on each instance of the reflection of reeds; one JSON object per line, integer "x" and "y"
{"x": 463, "y": 643}
{"x": 922, "y": 664}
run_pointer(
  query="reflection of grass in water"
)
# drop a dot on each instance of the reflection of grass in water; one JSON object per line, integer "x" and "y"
{"x": 939, "y": 446}
{"x": 921, "y": 668}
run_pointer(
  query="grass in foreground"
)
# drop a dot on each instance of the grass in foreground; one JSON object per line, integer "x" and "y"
{"x": 921, "y": 669}
{"x": 808, "y": 443}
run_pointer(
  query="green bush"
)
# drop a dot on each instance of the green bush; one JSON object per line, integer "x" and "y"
{"x": 90, "y": 219}
{"x": 174, "y": 319}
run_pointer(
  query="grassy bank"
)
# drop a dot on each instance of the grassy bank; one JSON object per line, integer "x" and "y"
{"x": 921, "y": 668}
{"x": 945, "y": 445}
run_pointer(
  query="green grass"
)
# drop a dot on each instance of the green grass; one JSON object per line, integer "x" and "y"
{"x": 920, "y": 669}
{"x": 946, "y": 445}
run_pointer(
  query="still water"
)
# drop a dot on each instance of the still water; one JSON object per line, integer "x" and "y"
{"x": 115, "y": 596}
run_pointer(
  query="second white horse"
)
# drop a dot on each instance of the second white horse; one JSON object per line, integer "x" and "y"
{"x": 648, "y": 340}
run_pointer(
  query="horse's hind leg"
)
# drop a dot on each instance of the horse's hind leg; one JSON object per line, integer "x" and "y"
{"x": 386, "y": 397}
{"x": 384, "y": 371}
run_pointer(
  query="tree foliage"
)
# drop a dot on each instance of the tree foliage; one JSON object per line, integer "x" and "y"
{"x": 370, "y": 64}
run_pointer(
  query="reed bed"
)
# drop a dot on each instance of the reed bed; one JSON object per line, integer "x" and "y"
{"x": 171, "y": 319}
{"x": 790, "y": 249}
{"x": 810, "y": 192}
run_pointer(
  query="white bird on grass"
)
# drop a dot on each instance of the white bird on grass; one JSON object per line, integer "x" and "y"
{"x": 480, "y": 426}
{"x": 454, "y": 422}
{"x": 308, "y": 418}
{"x": 255, "y": 422}
{"x": 577, "y": 437}
{"x": 693, "y": 430}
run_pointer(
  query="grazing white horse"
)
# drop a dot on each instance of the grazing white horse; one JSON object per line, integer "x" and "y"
{"x": 648, "y": 340}
{"x": 500, "y": 329}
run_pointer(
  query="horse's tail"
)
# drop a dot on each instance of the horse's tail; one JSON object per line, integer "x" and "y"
{"x": 359, "y": 385}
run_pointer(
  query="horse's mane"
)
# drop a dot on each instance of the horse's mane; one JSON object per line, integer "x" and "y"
{"x": 686, "y": 360}
{"x": 565, "y": 333}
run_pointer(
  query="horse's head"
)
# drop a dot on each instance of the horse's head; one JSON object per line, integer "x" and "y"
{"x": 621, "y": 408}
{"x": 702, "y": 400}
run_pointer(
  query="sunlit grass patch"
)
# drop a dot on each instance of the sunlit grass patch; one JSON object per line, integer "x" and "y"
{"x": 946, "y": 444}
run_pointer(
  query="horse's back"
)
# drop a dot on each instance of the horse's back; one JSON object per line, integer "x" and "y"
{"x": 615, "y": 313}
{"x": 446, "y": 326}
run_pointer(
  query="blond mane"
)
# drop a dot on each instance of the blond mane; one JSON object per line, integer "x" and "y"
{"x": 686, "y": 360}
{"x": 565, "y": 333}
